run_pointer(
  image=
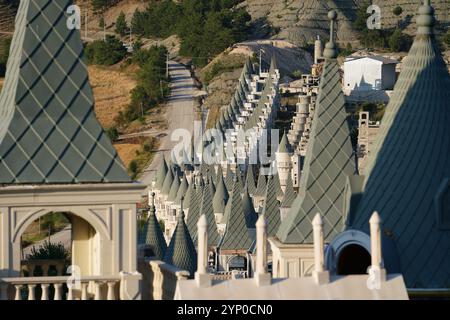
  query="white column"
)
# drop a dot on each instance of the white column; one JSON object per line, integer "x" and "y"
{"x": 261, "y": 276}
{"x": 201, "y": 276}
{"x": 377, "y": 273}
{"x": 321, "y": 276}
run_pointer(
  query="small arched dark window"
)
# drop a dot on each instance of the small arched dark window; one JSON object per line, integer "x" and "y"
{"x": 353, "y": 259}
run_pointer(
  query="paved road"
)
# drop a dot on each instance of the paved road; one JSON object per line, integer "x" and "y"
{"x": 180, "y": 113}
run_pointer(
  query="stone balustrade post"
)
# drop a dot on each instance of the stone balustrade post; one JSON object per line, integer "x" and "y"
{"x": 376, "y": 270}
{"x": 130, "y": 285}
{"x": 320, "y": 275}
{"x": 201, "y": 276}
{"x": 262, "y": 277}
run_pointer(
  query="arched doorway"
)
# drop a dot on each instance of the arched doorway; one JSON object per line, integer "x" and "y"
{"x": 353, "y": 259}
{"x": 73, "y": 241}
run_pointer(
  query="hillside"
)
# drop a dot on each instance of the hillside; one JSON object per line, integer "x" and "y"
{"x": 300, "y": 21}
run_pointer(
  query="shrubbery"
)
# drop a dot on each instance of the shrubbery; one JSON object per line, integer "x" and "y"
{"x": 4, "y": 56}
{"x": 107, "y": 52}
{"x": 205, "y": 27}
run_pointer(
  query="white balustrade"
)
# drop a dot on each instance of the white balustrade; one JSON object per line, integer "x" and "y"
{"x": 27, "y": 287}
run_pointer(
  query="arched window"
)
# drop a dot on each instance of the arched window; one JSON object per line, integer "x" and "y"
{"x": 353, "y": 259}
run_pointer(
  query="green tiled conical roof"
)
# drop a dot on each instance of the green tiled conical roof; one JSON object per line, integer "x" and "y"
{"x": 408, "y": 171}
{"x": 194, "y": 210}
{"x": 189, "y": 195}
{"x": 48, "y": 129}
{"x": 152, "y": 234}
{"x": 220, "y": 197}
{"x": 250, "y": 214}
{"x": 174, "y": 189}
{"x": 229, "y": 179}
{"x": 271, "y": 209}
{"x": 289, "y": 194}
{"x": 181, "y": 252}
{"x": 328, "y": 162}
{"x": 261, "y": 187}
{"x": 208, "y": 211}
{"x": 161, "y": 174}
{"x": 167, "y": 184}
{"x": 250, "y": 180}
{"x": 236, "y": 235}
{"x": 182, "y": 191}
{"x": 285, "y": 146}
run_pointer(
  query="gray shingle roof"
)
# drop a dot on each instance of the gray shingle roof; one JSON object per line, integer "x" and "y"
{"x": 261, "y": 186}
{"x": 229, "y": 179}
{"x": 250, "y": 180}
{"x": 208, "y": 211}
{"x": 152, "y": 234}
{"x": 189, "y": 195}
{"x": 182, "y": 191}
{"x": 328, "y": 162}
{"x": 405, "y": 177}
{"x": 49, "y": 133}
{"x": 236, "y": 235}
{"x": 181, "y": 251}
{"x": 194, "y": 210}
{"x": 285, "y": 146}
{"x": 289, "y": 194}
{"x": 271, "y": 209}
{"x": 174, "y": 189}
{"x": 161, "y": 174}
{"x": 167, "y": 184}
{"x": 250, "y": 214}
{"x": 220, "y": 197}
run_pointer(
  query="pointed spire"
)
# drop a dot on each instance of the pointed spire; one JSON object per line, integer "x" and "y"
{"x": 249, "y": 210}
{"x": 189, "y": 195}
{"x": 220, "y": 197}
{"x": 271, "y": 209}
{"x": 229, "y": 179}
{"x": 182, "y": 191}
{"x": 195, "y": 207}
{"x": 273, "y": 64}
{"x": 261, "y": 187}
{"x": 331, "y": 51}
{"x": 328, "y": 162}
{"x": 167, "y": 184}
{"x": 285, "y": 146}
{"x": 411, "y": 166}
{"x": 49, "y": 133}
{"x": 174, "y": 189}
{"x": 236, "y": 235}
{"x": 181, "y": 251}
{"x": 152, "y": 235}
{"x": 161, "y": 174}
{"x": 289, "y": 194}
{"x": 250, "y": 180}
{"x": 208, "y": 211}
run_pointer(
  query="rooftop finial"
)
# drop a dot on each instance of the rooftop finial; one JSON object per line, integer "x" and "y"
{"x": 181, "y": 208}
{"x": 152, "y": 207}
{"x": 330, "y": 51}
{"x": 425, "y": 19}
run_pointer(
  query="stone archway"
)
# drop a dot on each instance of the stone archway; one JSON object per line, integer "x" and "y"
{"x": 87, "y": 235}
{"x": 353, "y": 259}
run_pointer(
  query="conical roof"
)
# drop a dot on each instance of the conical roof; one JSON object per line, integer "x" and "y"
{"x": 328, "y": 161}
{"x": 408, "y": 171}
{"x": 250, "y": 180}
{"x": 236, "y": 236}
{"x": 284, "y": 146}
{"x": 194, "y": 210}
{"x": 261, "y": 186}
{"x": 220, "y": 197}
{"x": 229, "y": 179}
{"x": 208, "y": 211}
{"x": 250, "y": 214}
{"x": 174, "y": 189}
{"x": 271, "y": 209}
{"x": 167, "y": 184}
{"x": 182, "y": 191}
{"x": 273, "y": 64}
{"x": 161, "y": 174}
{"x": 277, "y": 187}
{"x": 181, "y": 252}
{"x": 48, "y": 129}
{"x": 152, "y": 234}
{"x": 289, "y": 194}
{"x": 189, "y": 195}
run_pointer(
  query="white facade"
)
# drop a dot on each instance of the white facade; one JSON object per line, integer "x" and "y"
{"x": 369, "y": 74}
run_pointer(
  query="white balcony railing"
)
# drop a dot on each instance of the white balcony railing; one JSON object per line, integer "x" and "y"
{"x": 104, "y": 288}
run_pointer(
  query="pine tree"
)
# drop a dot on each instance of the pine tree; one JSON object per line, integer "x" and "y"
{"x": 121, "y": 24}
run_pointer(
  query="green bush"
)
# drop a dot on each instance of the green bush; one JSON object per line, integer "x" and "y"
{"x": 49, "y": 251}
{"x": 112, "y": 133}
{"x": 107, "y": 52}
{"x": 121, "y": 24}
{"x": 5, "y": 43}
